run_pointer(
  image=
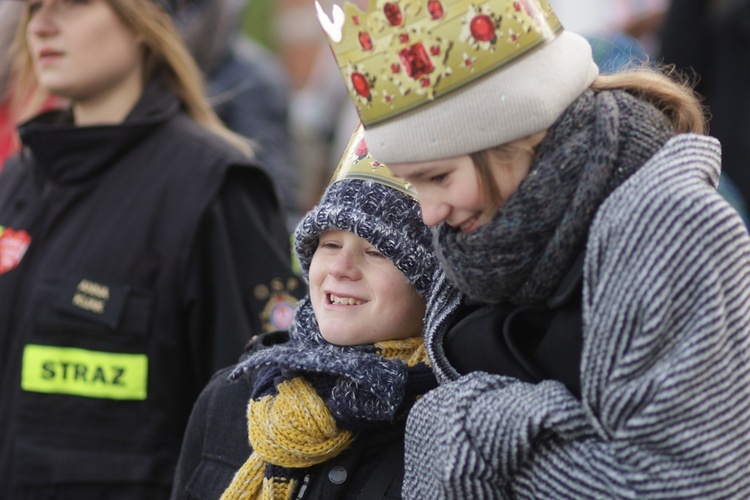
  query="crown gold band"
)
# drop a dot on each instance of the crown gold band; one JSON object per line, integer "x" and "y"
{"x": 402, "y": 54}
{"x": 357, "y": 163}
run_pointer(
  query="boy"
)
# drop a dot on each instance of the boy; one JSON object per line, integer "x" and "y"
{"x": 328, "y": 402}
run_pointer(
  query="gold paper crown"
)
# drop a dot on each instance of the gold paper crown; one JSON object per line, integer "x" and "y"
{"x": 358, "y": 163}
{"x": 401, "y": 54}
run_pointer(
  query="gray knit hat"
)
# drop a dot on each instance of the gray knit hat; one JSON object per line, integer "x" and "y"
{"x": 456, "y": 77}
{"x": 364, "y": 198}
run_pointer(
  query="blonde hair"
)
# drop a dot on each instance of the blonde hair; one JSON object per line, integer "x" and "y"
{"x": 663, "y": 87}
{"x": 668, "y": 90}
{"x": 166, "y": 56}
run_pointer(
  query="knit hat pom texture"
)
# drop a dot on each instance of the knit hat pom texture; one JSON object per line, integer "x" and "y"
{"x": 388, "y": 219}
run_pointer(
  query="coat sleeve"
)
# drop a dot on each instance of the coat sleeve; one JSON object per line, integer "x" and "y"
{"x": 240, "y": 280}
{"x": 666, "y": 363}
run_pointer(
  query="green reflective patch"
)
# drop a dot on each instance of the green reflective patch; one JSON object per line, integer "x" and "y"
{"x": 78, "y": 372}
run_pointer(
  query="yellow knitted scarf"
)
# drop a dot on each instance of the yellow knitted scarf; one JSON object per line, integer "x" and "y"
{"x": 294, "y": 429}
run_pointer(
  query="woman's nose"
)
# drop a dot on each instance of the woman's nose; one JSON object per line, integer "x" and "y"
{"x": 434, "y": 211}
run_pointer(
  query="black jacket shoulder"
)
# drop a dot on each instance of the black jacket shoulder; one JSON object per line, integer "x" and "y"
{"x": 216, "y": 445}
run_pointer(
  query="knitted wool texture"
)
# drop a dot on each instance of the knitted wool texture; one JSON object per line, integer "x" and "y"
{"x": 388, "y": 219}
{"x": 369, "y": 388}
{"x": 292, "y": 428}
{"x": 664, "y": 371}
{"x": 346, "y": 388}
{"x": 522, "y": 255}
{"x": 361, "y": 387}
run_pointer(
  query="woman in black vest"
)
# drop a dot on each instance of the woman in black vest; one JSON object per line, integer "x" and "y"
{"x": 140, "y": 249}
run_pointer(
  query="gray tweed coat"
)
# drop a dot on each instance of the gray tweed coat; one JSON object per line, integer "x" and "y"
{"x": 665, "y": 371}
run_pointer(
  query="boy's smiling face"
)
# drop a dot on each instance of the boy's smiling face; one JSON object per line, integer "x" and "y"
{"x": 358, "y": 295}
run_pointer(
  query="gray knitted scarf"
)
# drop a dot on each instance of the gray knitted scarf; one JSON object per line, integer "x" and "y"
{"x": 360, "y": 388}
{"x": 522, "y": 255}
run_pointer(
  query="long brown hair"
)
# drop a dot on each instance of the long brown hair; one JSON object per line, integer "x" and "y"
{"x": 668, "y": 90}
{"x": 165, "y": 54}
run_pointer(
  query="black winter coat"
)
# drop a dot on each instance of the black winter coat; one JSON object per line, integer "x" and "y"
{"x": 216, "y": 446}
{"x": 136, "y": 260}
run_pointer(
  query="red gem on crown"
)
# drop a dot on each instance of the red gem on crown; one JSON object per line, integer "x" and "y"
{"x": 361, "y": 149}
{"x": 436, "y": 9}
{"x": 365, "y": 41}
{"x": 393, "y": 14}
{"x": 360, "y": 85}
{"x": 482, "y": 28}
{"x": 416, "y": 61}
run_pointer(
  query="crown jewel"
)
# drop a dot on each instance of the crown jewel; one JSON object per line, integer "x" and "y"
{"x": 357, "y": 163}
{"x": 402, "y": 54}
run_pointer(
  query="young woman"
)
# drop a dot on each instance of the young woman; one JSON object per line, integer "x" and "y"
{"x": 139, "y": 247}
{"x": 614, "y": 361}
{"x": 327, "y": 405}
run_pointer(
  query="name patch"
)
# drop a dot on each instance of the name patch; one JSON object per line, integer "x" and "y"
{"x": 79, "y": 372}
{"x": 94, "y": 300}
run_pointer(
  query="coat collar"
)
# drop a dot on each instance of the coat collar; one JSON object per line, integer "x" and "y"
{"x": 67, "y": 153}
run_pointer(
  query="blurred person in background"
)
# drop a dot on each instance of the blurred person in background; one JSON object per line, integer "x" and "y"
{"x": 712, "y": 39}
{"x": 321, "y": 115}
{"x": 247, "y": 87}
{"x": 140, "y": 249}
{"x": 619, "y": 20}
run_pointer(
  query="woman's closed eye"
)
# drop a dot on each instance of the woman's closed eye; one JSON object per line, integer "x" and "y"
{"x": 438, "y": 179}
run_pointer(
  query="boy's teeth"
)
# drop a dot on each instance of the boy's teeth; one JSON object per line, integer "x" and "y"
{"x": 347, "y": 301}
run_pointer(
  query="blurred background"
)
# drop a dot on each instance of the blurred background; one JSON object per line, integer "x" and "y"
{"x": 285, "y": 91}
{"x": 320, "y": 114}
{"x": 321, "y": 117}
{"x": 707, "y": 40}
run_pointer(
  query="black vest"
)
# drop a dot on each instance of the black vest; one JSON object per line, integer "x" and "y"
{"x": 96, "y": 305}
